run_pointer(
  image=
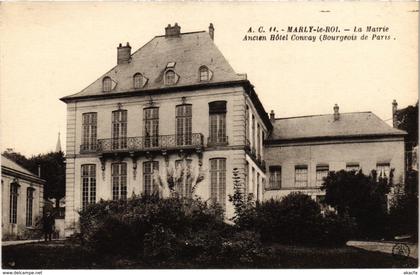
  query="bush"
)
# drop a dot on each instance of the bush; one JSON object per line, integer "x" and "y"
{"x": 146, "y": 225}
{"x": 296, "y": 219}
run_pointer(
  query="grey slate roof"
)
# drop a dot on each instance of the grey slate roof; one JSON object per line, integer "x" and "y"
{"x": 319, "y": 126}
{"x": 5, "y": 162}
{"x": 188, "y": 50}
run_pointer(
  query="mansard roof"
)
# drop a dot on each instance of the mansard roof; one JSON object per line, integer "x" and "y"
{"x": 12, "y": 168}
{"x": 349, "y": 125}
{"x": 188, "y": 51}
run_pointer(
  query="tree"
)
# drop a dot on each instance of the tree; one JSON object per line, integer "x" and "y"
{"x": 407, "y": 120}
{"x": 52, "y": 167}
{"x": 360, "y": 196}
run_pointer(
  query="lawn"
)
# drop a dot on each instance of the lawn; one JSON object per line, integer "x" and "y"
{"x": 65, "y": 254}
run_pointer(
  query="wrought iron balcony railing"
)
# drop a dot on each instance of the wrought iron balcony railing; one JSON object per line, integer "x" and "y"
{"x": 163, "y": 142}
{"x": 217, "y": 140}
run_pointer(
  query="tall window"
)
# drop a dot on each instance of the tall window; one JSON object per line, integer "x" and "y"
{"x": 149, "y": 168}
{"x": 275, "y": 178}
{"x": 253, "y": 133}
{"x": 204, "y": 73}
{"x": 247, "y": 124}
{"x": 321, "y": 173}
{"x": 217, "y": 113}
{"x": 29, "y": 205}
{"x": 258, "y": 186}
{"x": 170, "y": 77}
{"x": 258, "y": 140}
{"x": 183, "y": 124}
{"x": 246, "y": 187}
{"x": 89, "y": 131}
{"x": 119, "y": 129}
{"x": 218, "y": 181}
{"x": 383, "y": 170}
{"x": 137, "y": 81}
{"x": 119, "y": 180}
{"x": 352, "y": 167}
{"x": 151, "y": 127}
{"x": 185, "y": 184}
{"x": 107, "y": 84}
{"x": 88, "y": 184}
{"x": 14, "y": 193}
{"x": 301, "y": 176}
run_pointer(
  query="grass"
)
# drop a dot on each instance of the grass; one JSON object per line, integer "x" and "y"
{"x": 66, "y": 254}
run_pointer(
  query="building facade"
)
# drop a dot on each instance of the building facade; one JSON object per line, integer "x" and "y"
{"x": 174, "y": 101}
{"x": 22, "y": 200}
{"x": 301, "y": 151}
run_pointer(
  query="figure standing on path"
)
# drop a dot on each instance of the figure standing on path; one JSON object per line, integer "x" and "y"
{"x": 48, "y": 224}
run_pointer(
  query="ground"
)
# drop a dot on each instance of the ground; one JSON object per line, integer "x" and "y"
{"x": 66, "y": 254}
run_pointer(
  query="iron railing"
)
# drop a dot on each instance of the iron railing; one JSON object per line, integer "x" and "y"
{"x": 162, "y": 142}
{"x": 217, "y": 140}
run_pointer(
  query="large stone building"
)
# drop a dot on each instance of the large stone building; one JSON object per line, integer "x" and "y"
{"x": 22, "y": 200}
{"x": 177, "y": 102}
{"x": 300, "y": 151}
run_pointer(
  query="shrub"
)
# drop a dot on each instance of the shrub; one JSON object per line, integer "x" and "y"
{"x": 337, "y": 230}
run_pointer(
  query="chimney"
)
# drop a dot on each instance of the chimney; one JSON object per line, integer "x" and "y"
{"x": 172, "y": 31}
{"x": 39, "y": 170}
{"x": 211, "y": 31}
{"x": 272, "y": 116}
{"x": 394, "y": 114}
{"x": 123, "y": 54}
{"x": 336, "y": 113}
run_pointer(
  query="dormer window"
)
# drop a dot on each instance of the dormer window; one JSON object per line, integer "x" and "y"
{"x": 170, "y": 65}
{"x": 204, "y": 73}
{"x": 107, "y": 84}
{"x": 170, "y": 77}
{"x": 138, "y": 81}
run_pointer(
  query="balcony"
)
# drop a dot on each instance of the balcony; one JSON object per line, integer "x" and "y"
{"x": 145, "y": 144}
{"x": 217, "y": 141}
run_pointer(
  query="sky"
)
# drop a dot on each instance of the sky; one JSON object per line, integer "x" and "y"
{"x": 50, "y": 50}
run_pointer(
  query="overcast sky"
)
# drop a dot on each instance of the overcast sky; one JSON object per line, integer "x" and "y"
{"x": 52, "y": 50}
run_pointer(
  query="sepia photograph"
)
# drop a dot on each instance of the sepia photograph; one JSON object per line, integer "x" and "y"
{"x": 209, "y": 135}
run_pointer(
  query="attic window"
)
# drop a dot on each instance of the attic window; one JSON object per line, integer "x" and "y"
{"x": 138, "y": 81}
{"x": 106, "y": 84}
{"x": 170, "y": 77}
{"x": 170, "y": 65}
{"x": 204, "y": 73}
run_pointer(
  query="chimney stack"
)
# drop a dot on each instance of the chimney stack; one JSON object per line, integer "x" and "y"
{"x": 172, "y": 31}
{"x": 123, "y": 54}
{"x": 394, "y": 114}
{"x": 336, "y": 113}
{"x": 211, "y": 31}
{"x": 272, "y": 116}
{"x": 39, "y": 170}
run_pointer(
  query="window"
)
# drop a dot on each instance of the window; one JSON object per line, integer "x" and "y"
{"x": 119, "y": 180}
{"x": 321, "y": 173}
{"x": 107, "y": 84}
{"x": 258, "y": 186}
{"x": 151, "y": 127}
{"x": 218, "y": 181}
{"x": 89, "y": 131}
{"x": 170, "y": 77}
{"x": 275, "y": 178}
{"x": 150, "y": 185}
{"x": 253, "y": 179}
{"x": 119, "y": 129}
{"x": 204, "y": 73}
{"x": 258, "y": 141}
{"x": 29, "y": 205}
{"x": 383, "y": 170}
{"x": 253, "y": 133}
{"x": 217, "y": 113}
{"x": 137, "y": 81}
{"x": 246, "y": 187}
{"x": 14, "y": 193}
{"x": 184, "y": 169}
{"x": 88, "y": 184}
{"x": 183, "y": 124}
{"x": 247, "y": 125}
{"x": 301, "y": 176}
{"x": 352, "y": 167}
